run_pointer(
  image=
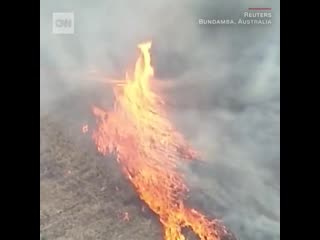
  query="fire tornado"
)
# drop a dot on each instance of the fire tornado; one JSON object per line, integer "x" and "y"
{"x": 149, "y": 150}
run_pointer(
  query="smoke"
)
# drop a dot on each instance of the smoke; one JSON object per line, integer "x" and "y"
{"x": 225, "y": 97}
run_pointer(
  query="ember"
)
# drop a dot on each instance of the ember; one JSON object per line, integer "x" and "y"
{"x": 126, "y": 216}
{"x": 85, "y": 128}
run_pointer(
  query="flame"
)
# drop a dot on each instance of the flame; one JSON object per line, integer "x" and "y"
{"x": 85, "y": 128}
{"x": 149, "y": 150}
{"x": 125, "y": 216}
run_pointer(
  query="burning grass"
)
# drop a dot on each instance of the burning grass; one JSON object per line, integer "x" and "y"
{"x": 149, "y": 150}
{"x": 83, "y": 194}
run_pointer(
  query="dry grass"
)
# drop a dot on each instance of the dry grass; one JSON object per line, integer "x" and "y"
{"x": 83, "y": 195}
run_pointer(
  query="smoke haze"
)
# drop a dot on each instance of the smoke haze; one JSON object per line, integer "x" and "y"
{"x": 225, "y": 96}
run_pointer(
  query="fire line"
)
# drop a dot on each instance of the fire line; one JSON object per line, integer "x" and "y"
{"x": 149, "y": 150}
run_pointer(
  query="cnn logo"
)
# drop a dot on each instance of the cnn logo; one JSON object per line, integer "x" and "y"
{"x": 63, "y": 23}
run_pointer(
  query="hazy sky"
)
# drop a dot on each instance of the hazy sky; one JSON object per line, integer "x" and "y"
{"x": 226, "y": 99}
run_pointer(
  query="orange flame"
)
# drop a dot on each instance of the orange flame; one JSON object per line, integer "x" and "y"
{"x": 149, "y": 150}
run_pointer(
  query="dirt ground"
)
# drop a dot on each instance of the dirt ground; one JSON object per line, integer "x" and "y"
{"x": 83, "y": 195}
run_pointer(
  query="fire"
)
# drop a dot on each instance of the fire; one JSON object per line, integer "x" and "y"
{"x": 149, "y": 150}
{"x": 126, "y": 216}
{"x": 85, "y": 128}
